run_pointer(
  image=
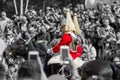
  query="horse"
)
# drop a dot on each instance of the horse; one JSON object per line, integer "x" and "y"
{"x": 20, "y": 48}
{"x": 101, "y": 68}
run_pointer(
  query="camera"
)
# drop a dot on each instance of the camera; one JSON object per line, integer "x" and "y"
{"x": 64, "y": 51}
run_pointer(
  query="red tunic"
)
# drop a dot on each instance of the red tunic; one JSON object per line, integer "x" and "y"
{"x": 66, "y": 40}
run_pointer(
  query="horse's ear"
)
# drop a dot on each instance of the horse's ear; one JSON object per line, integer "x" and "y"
{"x": 58, "y": 77}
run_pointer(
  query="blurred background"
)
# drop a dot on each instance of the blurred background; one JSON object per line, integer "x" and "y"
{"x": 7, "y": 5}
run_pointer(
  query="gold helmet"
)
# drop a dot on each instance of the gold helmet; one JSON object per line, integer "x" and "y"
{"x": 69, "y": 22}
{"x": 77, "y": 26}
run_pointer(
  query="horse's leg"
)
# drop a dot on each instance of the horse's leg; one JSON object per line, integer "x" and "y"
{"x": 47, "y": 68}
{"x": 84, "y": 76}
{"x": 52, "y": 69}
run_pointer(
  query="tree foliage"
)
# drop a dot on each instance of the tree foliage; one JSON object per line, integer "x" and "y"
{"x": 8, "y": 5}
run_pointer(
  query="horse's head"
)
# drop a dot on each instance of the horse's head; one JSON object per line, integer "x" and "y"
{"x": 14, "y": 48}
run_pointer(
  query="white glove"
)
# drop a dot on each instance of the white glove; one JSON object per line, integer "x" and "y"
{"x": 49, "y": 51}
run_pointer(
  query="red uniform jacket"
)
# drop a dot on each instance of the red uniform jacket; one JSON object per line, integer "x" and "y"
{"x": 66, "y": 40}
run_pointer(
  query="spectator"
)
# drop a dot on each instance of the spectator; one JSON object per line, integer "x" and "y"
{"x": 29, "y": 70}
{"x": 116, "y": 68}
{"x": 116, "y": 60}
{"x": 44, "y": 34}
{"x": 4, "y": 16}
{"x": 3, "y": 23}
{"x": 118, "y": 35}
{"x": 23, "y": 21}
{"x": 108, "y": 32}
{"x": 2, "y": 71}
{"x": 118, "y": 47}
{"x": 90, "y": 51}
{"x": 116, "y": 24}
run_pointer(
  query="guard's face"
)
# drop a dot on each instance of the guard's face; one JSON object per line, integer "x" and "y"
{"x": 63, "y": 28}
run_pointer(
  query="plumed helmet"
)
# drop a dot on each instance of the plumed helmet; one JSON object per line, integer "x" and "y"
{"x": 77, "y": 26}
{"x": 68, "y": 22}
{"x": 63, "y": 22}
{"x": 69, "y": 25}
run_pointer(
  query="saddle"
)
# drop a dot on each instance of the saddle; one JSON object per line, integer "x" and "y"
{"x": 56, "y": 59}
